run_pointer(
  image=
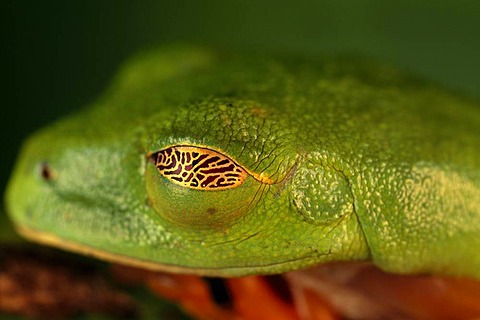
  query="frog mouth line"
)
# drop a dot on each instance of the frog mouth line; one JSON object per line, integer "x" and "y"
{"x": 233, "y": 271}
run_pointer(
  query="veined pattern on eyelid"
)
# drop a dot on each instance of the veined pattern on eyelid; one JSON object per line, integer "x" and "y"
{"x": 198, "y": 168}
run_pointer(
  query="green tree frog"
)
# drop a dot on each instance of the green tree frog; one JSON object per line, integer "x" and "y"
{"x": 226, "y": 164}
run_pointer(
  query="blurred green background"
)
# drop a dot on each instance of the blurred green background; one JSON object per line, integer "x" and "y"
{"x": 57, "y": 56}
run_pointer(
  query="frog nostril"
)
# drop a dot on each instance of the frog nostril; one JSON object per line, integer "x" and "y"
{"x": 46, "y": 171}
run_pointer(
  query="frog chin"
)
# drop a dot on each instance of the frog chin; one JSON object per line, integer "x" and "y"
{"x": 52, "y": 240}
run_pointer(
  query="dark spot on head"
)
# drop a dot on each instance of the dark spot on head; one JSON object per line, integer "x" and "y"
{"x": 230, "y": 105}
{"x": 212, "y": 210}
{"x": 46, "y": 172}
{"x": 148, "y": 202}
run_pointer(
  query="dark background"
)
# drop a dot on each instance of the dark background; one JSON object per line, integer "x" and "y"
{"x": 57, "y": 56}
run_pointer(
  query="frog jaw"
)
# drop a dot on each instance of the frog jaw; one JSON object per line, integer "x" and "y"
{"x": 234, "y": 271}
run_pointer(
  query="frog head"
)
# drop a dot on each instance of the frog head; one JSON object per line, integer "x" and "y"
{"x": 179, "y": 168}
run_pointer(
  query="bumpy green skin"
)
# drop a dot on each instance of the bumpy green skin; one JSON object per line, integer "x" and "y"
{"x": 369, "y": 163}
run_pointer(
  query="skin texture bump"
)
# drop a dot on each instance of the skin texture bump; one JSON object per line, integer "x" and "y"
{"x": 339, "y": 160}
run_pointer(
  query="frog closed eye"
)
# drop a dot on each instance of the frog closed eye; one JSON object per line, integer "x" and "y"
{"x": 199, "y": 186}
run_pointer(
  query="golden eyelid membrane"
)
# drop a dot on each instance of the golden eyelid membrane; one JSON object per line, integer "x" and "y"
{"x": 200, "y": 168}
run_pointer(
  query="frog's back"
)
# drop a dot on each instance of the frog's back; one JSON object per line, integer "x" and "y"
{"x": 410, "y": 152}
